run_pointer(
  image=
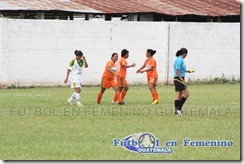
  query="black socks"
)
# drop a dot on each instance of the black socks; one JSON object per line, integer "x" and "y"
{"x": 182, "y": 101}
{"x": 177, "y": 105}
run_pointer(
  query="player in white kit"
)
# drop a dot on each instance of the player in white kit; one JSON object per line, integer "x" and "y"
{"x": 76, "y": 69}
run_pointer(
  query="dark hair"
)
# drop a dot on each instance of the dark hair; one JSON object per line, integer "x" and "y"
{"x": 78, "y": 53}
{"x": 151, "y": 52}
{"x": 181, "y": 51}
{"x": 113, "y": 55}
{"x": 124, "y": 52}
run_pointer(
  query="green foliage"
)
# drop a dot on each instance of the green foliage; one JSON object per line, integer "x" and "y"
{"x": 216, "y": 80}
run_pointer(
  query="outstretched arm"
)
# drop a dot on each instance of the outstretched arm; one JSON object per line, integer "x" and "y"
{"x": 139, "y": 70}
{"x": 128, "y": 66}
{"x": 147, "y": 69}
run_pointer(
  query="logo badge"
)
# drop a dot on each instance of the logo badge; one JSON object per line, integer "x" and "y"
{"x": 141, "y": 143}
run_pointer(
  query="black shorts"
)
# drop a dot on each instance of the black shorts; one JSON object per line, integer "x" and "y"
{"x": 179, "y": 85}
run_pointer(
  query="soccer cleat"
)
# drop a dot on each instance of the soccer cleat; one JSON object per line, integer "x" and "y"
{"x": 121, "y": 103}
{"x": 179, "y": 112}
{"x": 69, "y": 102}
{"x": 155, "y": 102}
{"x": 124, "y": 101}
{"x": 79, "y": 104}
{"x": 113, "y": 101}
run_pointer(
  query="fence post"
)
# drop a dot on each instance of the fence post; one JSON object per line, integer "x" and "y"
{"x": 168, "y": 49}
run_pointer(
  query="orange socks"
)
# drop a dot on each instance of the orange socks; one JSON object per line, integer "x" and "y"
{"x": 117, "y": 95}
{"x": 123, "y": 95}
{"x": 155, "y": 95}
{"x": 115, "y": 98}
{"x": 99, "y": 97}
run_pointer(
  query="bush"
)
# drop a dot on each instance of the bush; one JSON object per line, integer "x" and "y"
{"x": 216, "y": 80}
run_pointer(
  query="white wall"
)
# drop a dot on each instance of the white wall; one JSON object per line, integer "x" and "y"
{"x": 37, "y": 52}
{"x": 213, "y": 48}
{"x": 3, "y": 57}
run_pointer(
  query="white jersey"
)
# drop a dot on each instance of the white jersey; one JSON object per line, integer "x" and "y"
{"x": 76, "y": 68}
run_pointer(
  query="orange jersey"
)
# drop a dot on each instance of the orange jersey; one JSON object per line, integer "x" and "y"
{"x": 153, "y": 72}
{"x": 122, "y": 70}
{"x": 107, "y": 75}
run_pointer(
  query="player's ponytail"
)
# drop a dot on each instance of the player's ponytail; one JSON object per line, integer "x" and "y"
{"x": 181, "y": 51}
{"x": 151, "y": 52}
{"x": 178, "y": 53}
{"x": 78, "y": 53}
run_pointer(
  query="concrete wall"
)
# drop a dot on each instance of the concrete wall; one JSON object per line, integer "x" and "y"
{"x": 37, "y": 52}
{"x": 214, "y": 48}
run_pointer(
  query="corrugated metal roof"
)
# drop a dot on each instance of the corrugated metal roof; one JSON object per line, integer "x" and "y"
{"x": 62, "y": 5}
{"x": 169, "y": 7}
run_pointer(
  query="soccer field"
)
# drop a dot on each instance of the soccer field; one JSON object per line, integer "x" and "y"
{"x": 37, "y": 124}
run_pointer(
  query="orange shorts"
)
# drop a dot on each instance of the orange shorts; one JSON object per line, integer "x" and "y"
{"x": 108, "y": 83}
{"x": 153, "y": 81}
{"x": 121, "y": 82}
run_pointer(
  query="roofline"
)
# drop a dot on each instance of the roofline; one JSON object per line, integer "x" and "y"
{"x": 116, "y": 13}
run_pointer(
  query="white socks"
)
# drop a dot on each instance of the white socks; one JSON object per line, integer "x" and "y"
{"x": 77, "y": 97}
{"x": 72, "y": 97}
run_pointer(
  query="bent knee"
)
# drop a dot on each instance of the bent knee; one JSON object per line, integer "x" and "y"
{"x": 186, "y": 95}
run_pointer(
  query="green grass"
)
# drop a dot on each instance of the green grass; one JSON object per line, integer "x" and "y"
{"x": 37, "y": 124}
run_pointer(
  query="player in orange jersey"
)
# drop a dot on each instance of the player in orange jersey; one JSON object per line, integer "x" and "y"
{"x": 122, "y": 68}
{"x": 109, "y": 80}
{"x": 150, "y": 66}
